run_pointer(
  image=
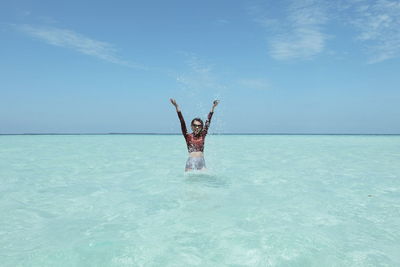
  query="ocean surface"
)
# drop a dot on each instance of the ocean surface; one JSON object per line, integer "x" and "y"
{"x": 266, "y": 200}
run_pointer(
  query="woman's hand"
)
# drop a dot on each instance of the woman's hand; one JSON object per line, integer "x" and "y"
{"x": 173, "y": 101}
{"x": 215, "y": 103}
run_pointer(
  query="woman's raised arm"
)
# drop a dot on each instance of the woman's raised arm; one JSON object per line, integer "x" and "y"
{"x": 208, "y": 121}
{"x": 183, "y": 124}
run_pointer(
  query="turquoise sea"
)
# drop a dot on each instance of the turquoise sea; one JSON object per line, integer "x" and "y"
{"x": 266, "y": 200}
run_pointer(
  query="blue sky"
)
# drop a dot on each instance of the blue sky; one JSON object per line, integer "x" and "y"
{"x": 277, "y": 66}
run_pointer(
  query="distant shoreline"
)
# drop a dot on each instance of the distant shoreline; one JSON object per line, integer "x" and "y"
{"x": 209, "y": 134}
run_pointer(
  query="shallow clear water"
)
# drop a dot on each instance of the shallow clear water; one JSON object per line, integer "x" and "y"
{"x": 273, "y": 200}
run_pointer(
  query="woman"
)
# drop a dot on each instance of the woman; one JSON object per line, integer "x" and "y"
{"x": 195, "y": 140}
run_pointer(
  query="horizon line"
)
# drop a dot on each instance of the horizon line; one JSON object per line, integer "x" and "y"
{"x": 111, "y": 133}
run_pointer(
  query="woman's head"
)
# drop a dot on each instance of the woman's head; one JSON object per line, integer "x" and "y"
{"x": 197, "y": 125}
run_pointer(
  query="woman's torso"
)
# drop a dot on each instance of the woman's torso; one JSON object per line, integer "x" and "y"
{"x": 195, "y": 144}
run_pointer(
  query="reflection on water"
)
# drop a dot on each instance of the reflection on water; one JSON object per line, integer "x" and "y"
{"x": 206, "y": 178}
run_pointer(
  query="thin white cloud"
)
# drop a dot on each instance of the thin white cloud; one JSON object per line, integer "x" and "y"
{"x": 297, "y": 29}
{"x": 223, "y": 21}
{"x": 301, "y": 43}
{"x": 258, "y": 84}
{"x": 199, "y": 75}
{"x": 75, "y": 41}
{"x": 299, "y": 34}
{"x": 378, "y": 23}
